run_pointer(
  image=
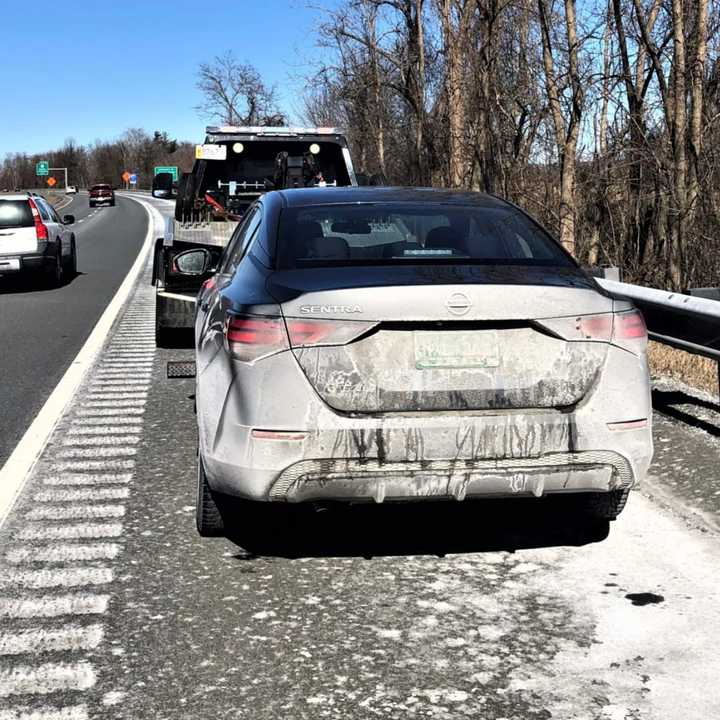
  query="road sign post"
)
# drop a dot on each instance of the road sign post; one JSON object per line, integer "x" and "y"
{"x": 64, "y": 170}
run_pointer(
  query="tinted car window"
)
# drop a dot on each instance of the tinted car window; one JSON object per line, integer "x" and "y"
{"x": 245, "y": 234}
{"x": 44, "y": 211}
{"x": 53, "y": 214}
{"x": 15, "y": 213}
{"x": 391, "y": 233}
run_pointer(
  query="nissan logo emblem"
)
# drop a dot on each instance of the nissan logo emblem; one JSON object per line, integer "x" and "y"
{"x": 458, "y": 303}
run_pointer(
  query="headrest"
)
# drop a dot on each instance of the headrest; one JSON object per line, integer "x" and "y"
{"x": 328, "y": 248}
{"x": 309, "y": 229}
{"x": 444, "y": 237}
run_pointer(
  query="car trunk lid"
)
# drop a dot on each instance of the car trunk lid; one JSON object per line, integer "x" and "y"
{"x": 438, "y": 346}
{"x": 17, "y": 227}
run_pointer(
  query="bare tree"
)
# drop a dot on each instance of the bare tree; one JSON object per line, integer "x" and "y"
{"x": 234, "y": 93}
{"x": 455, "y": 18}
{"x": 566, "y": 123}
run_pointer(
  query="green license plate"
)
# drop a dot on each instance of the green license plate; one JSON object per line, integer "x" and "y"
{"x": 456, "y": 349}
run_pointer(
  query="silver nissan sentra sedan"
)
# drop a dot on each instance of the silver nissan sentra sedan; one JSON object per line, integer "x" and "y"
{"x": 395, "y": 344}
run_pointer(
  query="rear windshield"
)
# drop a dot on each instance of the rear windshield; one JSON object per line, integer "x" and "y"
{"x": 15, "y": 213}
{"x": 100, "y": 187}
{"x": 385, "y": 234}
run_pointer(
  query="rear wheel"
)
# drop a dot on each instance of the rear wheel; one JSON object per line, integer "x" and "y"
{"x": 54, "y": 274}
{"x": 208, "y": 519}
{"x": 71, "y": 262}
{"x": 604, "y": 505}
{"x": 91, "y": 204}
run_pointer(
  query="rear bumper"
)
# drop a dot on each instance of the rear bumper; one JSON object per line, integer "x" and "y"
{"x": 603, "y": 444}
{"x": 371, "y": 481}
{"x": 444, "y": 458}
{"x": 30, "y": 262}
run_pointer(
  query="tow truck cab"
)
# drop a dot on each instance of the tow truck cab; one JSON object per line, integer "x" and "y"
{"x": 233, "y": 167}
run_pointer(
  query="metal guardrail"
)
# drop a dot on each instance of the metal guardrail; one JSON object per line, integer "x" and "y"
{"x": 686, "y": 322}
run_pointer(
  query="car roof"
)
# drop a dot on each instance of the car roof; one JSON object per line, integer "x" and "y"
{"x": 18, "y": 196}
{"x": 304, "y": 197}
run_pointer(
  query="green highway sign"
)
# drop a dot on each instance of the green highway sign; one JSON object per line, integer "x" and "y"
{"x": 42, "y": 168}
{"x": 172, "y": 169}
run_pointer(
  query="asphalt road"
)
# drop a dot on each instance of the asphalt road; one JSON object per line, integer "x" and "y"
{"x": 41, "y": 330}
{"x": 112, "y": 607}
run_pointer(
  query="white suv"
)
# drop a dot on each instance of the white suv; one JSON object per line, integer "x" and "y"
{"x": 33, "y": 238}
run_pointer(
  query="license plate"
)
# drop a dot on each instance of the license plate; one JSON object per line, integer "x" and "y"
{"x": 9, "y": 264}
{"x": 456, "y": 349}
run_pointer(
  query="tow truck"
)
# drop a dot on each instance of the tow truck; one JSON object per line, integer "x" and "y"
{"x": 232, "y": 169}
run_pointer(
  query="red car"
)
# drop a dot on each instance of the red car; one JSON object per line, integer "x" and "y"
{"x": 101, "y": 194}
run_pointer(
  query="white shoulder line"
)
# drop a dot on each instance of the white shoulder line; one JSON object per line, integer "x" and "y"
{"x": 16, "y": 470}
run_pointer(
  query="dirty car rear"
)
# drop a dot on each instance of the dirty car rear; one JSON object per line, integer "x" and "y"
{"x": 387, "y": 344}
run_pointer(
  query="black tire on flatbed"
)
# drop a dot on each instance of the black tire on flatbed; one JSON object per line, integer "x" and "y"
{"x": 208, "y": 519}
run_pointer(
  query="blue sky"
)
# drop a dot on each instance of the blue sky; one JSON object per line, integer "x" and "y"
{"x": 89, "y": 70}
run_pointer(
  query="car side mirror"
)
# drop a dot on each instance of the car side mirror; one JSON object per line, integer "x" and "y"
{"x": 193, "y": 262}
{"x": 68, "y": 219}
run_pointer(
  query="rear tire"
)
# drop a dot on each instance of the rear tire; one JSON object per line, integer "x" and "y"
{"x": 208, "y": 519}
{"x": 91, "y": 204}
{"x": 55, "y": 274}
{"x": 604, "y": 505}
{"x": 71, "y": 263}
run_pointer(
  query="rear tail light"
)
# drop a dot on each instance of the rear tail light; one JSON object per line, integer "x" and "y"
{"x": 41, "y": 230}
{"x": 596, "y": 327}
{"x": 251, "y": 337}
{"x": 630, "y": 325}
{"x": 629, "y": 331}
{"x": 624, "y": 329}
{"x": 306, "y": 332}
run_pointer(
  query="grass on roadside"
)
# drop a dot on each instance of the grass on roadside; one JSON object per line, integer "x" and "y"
{"x": 693, "y": 370}
{"x": 55, "y": 197}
